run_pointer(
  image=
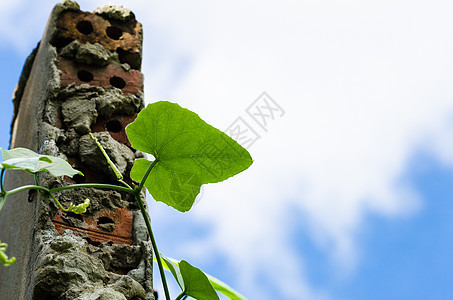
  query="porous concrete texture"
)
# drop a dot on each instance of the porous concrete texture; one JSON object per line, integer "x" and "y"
{"x": 84, "y": 76}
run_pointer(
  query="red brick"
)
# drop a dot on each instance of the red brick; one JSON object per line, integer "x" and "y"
{"x": 101, "y": 76}
{"x": 68, "y": 27}
{"x": 122, "y": 233}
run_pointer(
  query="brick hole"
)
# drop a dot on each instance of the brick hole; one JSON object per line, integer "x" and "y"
{"x": 105, "y": 220}
{"x": 106, "y": 224}
{"x": 113, "y": 126}
{"x": 84, "y": 27}
{"x": 31, "y": 195}
{"x": 94, "y": 243}
{"x": 131, "y": 58}
{"x": 85, "y": 76}
{"x": 61, "y": 42}
{"x": 117, "y": 82}
{"x": 114, "y": 32}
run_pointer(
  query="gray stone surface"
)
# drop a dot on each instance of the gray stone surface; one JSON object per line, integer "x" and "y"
{"x": 79, "y": 114}
{"x": 115, "y": 12}
{"x": 89, "y": 54}
{"x": 121, "y": 155}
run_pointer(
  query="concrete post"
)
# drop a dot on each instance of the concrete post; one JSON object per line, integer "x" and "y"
{"x": 83, "y": 77}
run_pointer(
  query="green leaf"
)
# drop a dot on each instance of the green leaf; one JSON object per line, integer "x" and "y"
{"x": 172, "y": 265}
{"x": 196, "y": 283}
{"x": 189, "y": 152}
{"x": 225, "y": 289}
{"x": 175, "y": 189}
{"x": 80, "y": 208}
{"x": 4, "y": 260}
{"x": 32, "y": 162}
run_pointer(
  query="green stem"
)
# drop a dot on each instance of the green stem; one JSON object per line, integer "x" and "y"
{"x": 136, "y": 192}
{"x": 1, "y": 181}
{"x": 2, "y": 190}
{"x": 35, "y": 175}
{"x": 68, "y": 187}
{"x": 180, "y": 296}
{"x": 150, "y": 231}
{"x": 125, "y": 184}
{"x": 26, "y": 187}
{"x": 142, "y": 183}
{"x": 93, "y": 185}
{"x": 153, "y": 242}
{"x": 58, "y": 202}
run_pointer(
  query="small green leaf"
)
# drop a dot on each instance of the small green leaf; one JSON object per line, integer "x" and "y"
{"x": 189, "y": 152}
{"x": 196, "y": 283}
{"x": 172, "y": 265}
{"x": 4, "y": 260}
{"x": 81, "y": 208}
{"x": 32, "y": 162}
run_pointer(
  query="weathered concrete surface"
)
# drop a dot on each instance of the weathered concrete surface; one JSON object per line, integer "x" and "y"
{"x": 104, "y": 253}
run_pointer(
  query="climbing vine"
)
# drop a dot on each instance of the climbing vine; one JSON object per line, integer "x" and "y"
{"x": 187, "y": 153}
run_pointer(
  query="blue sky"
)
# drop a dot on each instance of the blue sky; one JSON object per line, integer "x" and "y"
{"x": 350, "y": 195}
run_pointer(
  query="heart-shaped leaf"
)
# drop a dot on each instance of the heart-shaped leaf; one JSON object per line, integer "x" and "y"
{"x": 172, "y": 265}
{"x": 188, "y": 153}
{"x": 32, "y": 162}
{"x": 196, "y": 284}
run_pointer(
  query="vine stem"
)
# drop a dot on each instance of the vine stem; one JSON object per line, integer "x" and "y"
{"x": 69, "y": 187}
{"x": 153, "y": 242}
{"x": 58, "y": 202}
{"x": 142, "y": 183}
{"x": 150, "y": 231}
{"x": 138, "y": 198}
{"x": 93, "y": 185}
{"x": 35, "y": 176}
{"x": 2, "y": 190}
{"x": 26, "y": 187}
{"x": 1, "y": 181}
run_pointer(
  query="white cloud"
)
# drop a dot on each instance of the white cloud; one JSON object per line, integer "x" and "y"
{"x": 365, "y": 86}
